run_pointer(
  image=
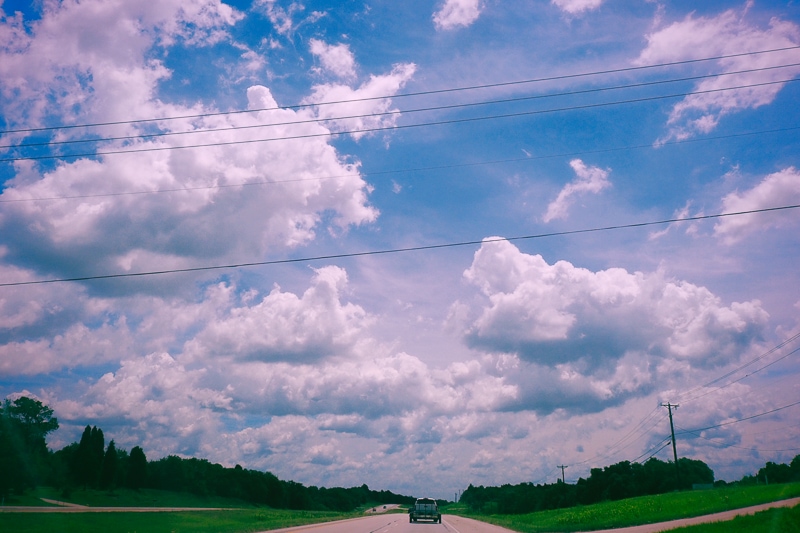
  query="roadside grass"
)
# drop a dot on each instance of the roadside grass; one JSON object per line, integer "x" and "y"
{"x": 780, "y": 520}
{"x": 233, "y": 521}
{"x": 132, "y": 498}
{"x": 642, "y": 510}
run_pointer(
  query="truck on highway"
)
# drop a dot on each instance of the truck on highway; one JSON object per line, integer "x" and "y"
{"x": 425, "y": 509}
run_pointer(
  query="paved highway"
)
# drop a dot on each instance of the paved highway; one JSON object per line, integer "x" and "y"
{"x": 398, "y": 523}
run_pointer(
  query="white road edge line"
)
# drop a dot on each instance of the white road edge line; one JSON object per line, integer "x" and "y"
{"x": 448, "y": 525}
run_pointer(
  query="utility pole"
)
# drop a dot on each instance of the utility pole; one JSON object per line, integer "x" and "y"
{"x": 562, "y": 467}
{"x": 669, "y": 407}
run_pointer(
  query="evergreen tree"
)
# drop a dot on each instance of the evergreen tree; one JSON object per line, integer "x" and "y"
{"x": 137, "y": 468}
{"x": 108, "y": 469}
{"x": 89, "y": 458}
{"x": 80, "y": 460}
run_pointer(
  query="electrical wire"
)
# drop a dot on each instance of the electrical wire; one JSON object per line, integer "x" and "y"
{"x": 419, "y": 93}
{"x": 666, "y": 442}
{"x": 746, "y": 365}
{"x": 393, "y": 127}
{"x": 742, "y": 419}
{"x": 617, "y": 446}
{"x": 674, "y": 142}
{"x": 394, "y": 250}
{"x": 723, "y": 445}
{"x": 394, "y": 112}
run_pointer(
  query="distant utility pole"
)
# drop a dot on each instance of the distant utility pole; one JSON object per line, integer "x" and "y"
{"x": 562, "y": 467}
{"x": 669, "y": 407}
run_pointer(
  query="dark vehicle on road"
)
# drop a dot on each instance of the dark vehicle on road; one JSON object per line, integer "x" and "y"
{"x": 425, "y": 509}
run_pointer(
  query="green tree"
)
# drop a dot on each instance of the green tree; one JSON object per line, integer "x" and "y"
{"x": 34, "y": 420}
{"x": 24, "y": 425}
{"x": 137, "y": 468}
{"x": 108, "y": 470}
{"x": 88, "y": 459}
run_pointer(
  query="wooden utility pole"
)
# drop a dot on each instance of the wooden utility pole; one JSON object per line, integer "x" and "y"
{"x": 669, "y": 407}
{"x": 562, "y": 467}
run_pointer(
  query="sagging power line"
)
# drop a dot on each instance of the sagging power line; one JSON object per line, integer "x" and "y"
{"x": 398, "y": 112}
{"x": 387, "y": 128}
{"x": 411, "y": 94}
{"x": 395, "y": 250}
{"x": 674, "y": 142}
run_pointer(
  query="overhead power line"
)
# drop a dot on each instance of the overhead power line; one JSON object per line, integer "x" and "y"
{"x": 405, "y": 95}
{"x": 674, "y": 142}
{"x": 728, "y": 423}
{"x": 724, "y": 445}
{"x": 393, "y": 112}
{"x": 632, "y": 436}
{"x": 395, "y": 250}
{"x": 663, "y": 443}
{"x": 742, "y": 367}
{"x": 393, "y": 127}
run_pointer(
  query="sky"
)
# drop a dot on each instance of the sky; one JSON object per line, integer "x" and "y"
{"x": 417, "y": 245}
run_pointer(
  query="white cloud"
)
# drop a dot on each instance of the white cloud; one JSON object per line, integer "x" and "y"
{"x": 455, "y": 13}
{"x": 725, "y": 34}
{"x": 575, "y": 7}
{"x": 85, "y": 61}
{"x": 336, "y": 59}
{"x": 561, "y": 314}
{"x": 248, "y": 198}
{"x": 589, "y": 179}
{"x": 280, "y": 18}
{"x": 284, "y": 327}
{"x": 369, "y": 111}
{"x": 776, "y": 190}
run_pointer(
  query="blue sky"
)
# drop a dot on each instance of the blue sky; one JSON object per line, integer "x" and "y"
{"x": 386, "y": 126}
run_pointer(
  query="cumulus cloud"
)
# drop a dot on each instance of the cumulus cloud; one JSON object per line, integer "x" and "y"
{"x": 561, "y": 314}
{"x": 283, "y": 326}
{"x": 159, "y": 401}
{"x": 363, "y": 104}
{"x": 775, "y": 190}
{"x": 335, "y": 59}
{"x": 237, "y": 199}
{"x": 588, "y": 179}
{"x": 86, "y": 60}
{"x": 727, "y": 33}
{"x": 457, "y": 13}
{"x": 576, "y": 7}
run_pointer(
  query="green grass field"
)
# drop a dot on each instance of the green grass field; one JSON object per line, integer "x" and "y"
{"x": 179, "y": 522}
{"x": 643, "y": 510}
{"x": 242, "y": 518}
{"x": 132, "y": 498}
{"x": 770, "y": 521}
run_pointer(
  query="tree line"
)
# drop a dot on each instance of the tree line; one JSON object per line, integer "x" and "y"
{"x": 26, "y": 462}
{"x": 615, "y": 482}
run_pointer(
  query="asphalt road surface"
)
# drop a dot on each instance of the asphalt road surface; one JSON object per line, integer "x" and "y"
{"x": 397, "y": 523}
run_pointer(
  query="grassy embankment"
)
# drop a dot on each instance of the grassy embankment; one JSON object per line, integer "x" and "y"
{"x": 238, "y": 516}
{"x": 771, "y": 521}
{"x": 644, "y": 510}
